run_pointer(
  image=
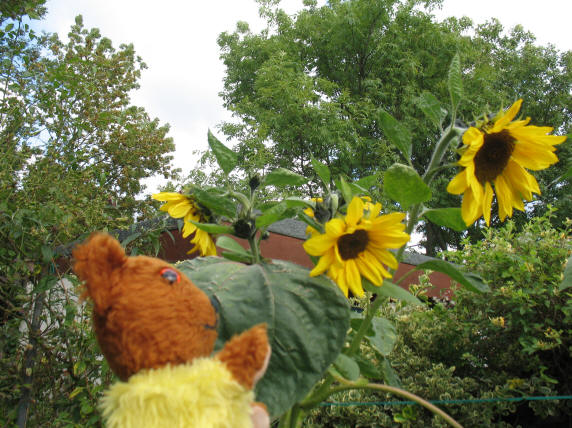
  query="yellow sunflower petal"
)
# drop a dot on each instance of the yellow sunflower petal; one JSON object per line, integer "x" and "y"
{"x": 188, "y": 229}
{"x": 504, "y": 196}
{"x": 335, "y": 228}
{"x": 367, "y": 266}
{"x": 487, "y": 202}
{"x": 317, "y": 245}
{"x": 355, "y": 211}
{"x": 385, "y": 256}
{"x": 458, "y": 184}
{"x": 533, "y": 159}
{"x": 323, "y": 264}
{"x": 521, "y": 180}
{"x": 507, "y": 117}
{"x": 470, "y": 208}
{"x": 168, "y": 196}
{"x": 336, "y": 272}
{"x": 353, "y": 278}
{"x": 473, "y": 137}
{"x": 180, "y": 209}
{"x": 537, "y": 135}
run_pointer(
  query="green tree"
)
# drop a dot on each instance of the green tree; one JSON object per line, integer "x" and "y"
{"x": 318, "y": 83}
{"x": 73, "y": 151}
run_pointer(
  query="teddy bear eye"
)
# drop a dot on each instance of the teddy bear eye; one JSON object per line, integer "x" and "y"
{"x": 171, "y": 275}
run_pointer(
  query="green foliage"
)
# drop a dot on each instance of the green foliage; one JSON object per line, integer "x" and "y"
{"x": 353, "y": 83}
{"x": 300, "y": 311}
{"x": 404, "y": 185}
{"x": 513, "y": 341}
{"x": 73, "y": 152}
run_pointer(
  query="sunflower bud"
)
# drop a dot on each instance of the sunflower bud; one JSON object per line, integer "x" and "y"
{"x": 244, "y": 229}
{"x": 254, "y": 182}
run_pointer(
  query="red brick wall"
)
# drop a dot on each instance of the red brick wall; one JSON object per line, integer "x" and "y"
{"x": 289, "y": 248}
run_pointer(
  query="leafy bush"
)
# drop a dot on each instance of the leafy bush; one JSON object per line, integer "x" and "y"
{"x": 514, "y": 341}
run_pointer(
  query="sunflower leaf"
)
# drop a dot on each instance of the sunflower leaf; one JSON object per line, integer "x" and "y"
{"x": 431, "y": 107}
{"x": 225, "y": 157}
{"x": 299, "y": 310}
{"x": 567, "y": 280}
{"x": 345, "y": 189}
{"x": 404, "y": 185}
{"x": 368, "y": 182}
{"x": 384, "y": 337}
{"x": 347, "y": 367}
{"x": 389, "y": 375}
{"x": 238, "y": 257}
{"x": 455, "y": 81}
{"x": 389, "y": 289}
{"x": 272, "y": 215}
{"x": 447, "y": 217}
{"x": 470, "y": 281}
{"x": 395, "y": 132}
{"x": 236, "y": 252}
{"x": 283, "y": 177}
{"x": 322, "y": 170}
{"x": 215, "y": 201}
{"x": 213, "y": 228}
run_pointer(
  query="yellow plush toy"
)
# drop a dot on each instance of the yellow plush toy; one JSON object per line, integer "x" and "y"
{"x": 157, "y": 331}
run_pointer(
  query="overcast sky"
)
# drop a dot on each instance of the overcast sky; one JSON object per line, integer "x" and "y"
{"x": 177, "y": 41}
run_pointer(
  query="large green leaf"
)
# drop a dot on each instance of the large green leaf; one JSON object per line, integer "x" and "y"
{"x": 213, "y": 228}
{"x": 272, "y": 215}
{"x": 398, "y": 134}
{"x": 322, "y": 170}
{"x": 402, "y": 184}
{"x": 225, "y": 157}
{"x": 447, "y": 217}
{"x": 345, "y": 189}
{"x": 455, "y": 81}
{"x": 307, "y": 320}
{"x": 389, "y": 289}
{"x": 384, "y": 336}
{"x": 431, "y": 107}
{"x": 283, "y": 177}
{"x": 347, "y": 367}
{"x": 567, "y": 280}
{"x": 389, "y": 375}
{"x": 468, "y": 280}
{"x": 368, "y": 181}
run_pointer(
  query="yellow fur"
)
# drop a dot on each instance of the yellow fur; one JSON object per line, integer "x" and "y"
{"x": 202, "y": 395}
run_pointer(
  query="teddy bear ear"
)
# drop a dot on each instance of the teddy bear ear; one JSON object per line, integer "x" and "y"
{"x": 95, "y": 260}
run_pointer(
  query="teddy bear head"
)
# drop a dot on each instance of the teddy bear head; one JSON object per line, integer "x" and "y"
{"x": 146, "y": 313}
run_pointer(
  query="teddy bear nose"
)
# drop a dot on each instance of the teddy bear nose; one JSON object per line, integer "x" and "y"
{"x": 171, "y": 275}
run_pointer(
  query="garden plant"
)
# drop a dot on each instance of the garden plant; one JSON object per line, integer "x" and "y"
{"x": 317, "y": 344}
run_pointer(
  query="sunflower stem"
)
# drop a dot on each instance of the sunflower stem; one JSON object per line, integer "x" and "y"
{"x": 347, "y": 384}
{"x": 371, "y": 310}
{"x": 433, "y": 167}
{"x": 440, "y": 150}
{"x": 254, "y": 248}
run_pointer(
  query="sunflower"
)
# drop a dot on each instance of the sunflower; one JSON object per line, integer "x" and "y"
{"x": 357, "y": 246}
{"x": 180, "y": 206}
{"x": 497, "y": 154}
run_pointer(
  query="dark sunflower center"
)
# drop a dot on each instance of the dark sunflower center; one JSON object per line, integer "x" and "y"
{"x": 352, "y": 244}
{"x": 493, "y": 156}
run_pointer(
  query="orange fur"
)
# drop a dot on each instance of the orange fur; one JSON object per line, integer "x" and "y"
{"x": 245, "y": 355}
{"x": 143, "y": 321}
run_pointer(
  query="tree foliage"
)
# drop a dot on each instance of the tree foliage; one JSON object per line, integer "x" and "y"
{"x": 73, "y": 151}
{"x": 320, "y": 83}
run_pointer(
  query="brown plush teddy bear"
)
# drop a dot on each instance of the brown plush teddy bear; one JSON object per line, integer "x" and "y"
{"x": 157, "y": 330}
